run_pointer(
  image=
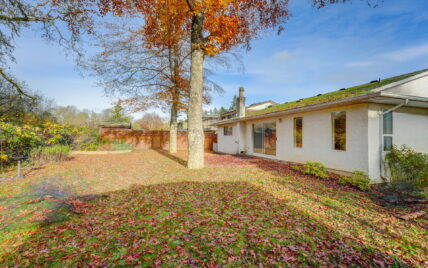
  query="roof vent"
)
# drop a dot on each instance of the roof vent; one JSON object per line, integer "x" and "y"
{"x": 342, "y": 89}
{"x": 375, "y": 81}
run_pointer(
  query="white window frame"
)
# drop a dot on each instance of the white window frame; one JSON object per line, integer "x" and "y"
{"x": 333, "y": 131}
{"x": 231, "y": 131}
{"x": 387, "y": 135}
{"x": 294, "y": 132}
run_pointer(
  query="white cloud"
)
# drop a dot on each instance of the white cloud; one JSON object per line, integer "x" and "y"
{"x": 407, "y": 53}
{"x": 285, "y": 55}
{"x": 393, "y": 56}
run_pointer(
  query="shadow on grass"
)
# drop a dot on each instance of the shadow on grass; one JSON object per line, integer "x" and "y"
{"x": 47, "y": 202}
{"x": 194, "y": 224}
{"x": 172, "y": 157}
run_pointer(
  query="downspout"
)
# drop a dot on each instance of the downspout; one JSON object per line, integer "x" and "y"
{"x": 381, "y": 114}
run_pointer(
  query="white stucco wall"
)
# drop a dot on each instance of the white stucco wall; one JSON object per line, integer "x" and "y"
{"x": 228, "y": 144}
{"x": 410, "y": 127}
{"x": 417, "y": 87}
{"x": 363, "y": 146}
{"x": 242, "y": 136}
{"x": 318, "y": 139}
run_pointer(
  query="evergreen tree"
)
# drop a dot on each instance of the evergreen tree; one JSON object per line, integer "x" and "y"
{"x": 118, "y": 114}
{"x": 234, "y": 103}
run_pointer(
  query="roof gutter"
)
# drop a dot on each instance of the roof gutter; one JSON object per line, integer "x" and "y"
{"x": 403, "y": 97}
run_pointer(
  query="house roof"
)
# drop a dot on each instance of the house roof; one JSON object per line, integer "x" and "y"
{"x": 352, "y": 94}
{"x": 251, "y": 106}
{"x": 260, "y": 103}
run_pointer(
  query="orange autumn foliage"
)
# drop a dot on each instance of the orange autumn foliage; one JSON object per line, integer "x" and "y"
{"x": 227, "y": 23}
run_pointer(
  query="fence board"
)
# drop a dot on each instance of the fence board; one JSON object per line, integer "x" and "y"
{"x": 140, "y": 139}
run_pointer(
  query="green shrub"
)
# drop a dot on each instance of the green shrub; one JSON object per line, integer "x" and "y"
{"x": 408, "y": 169}
{"x": 120, "y": 145}
{"x": 358, "y": 179}
{"x": 54, "y": 153}
{"x": 296, "y": 168}
{"x": 315, "y": 168}
{"x": 21, "y": 139}
{"x": 88, "y": 140}
{"x": 90, "y": 147}
{"x": 18, "y": 140}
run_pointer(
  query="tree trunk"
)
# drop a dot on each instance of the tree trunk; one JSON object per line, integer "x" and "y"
{"x": 195, "y": 158}
{"x": 173, "y": 129}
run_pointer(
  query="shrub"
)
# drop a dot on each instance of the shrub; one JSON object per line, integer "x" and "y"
{"x": 358, "y": 179}
{"x": 315, "y": 168}
{"x": 18, "y": 140}
{"x": 89, "y": 141}
{"x": 54, "y": 153}
{"x": 408, "y": 169}
{"x": 296, "y": 168}
{"x": 21, "y": 139}
{"x": 90, "y": 147}
{"x": 59, "y": 134}
{"x": 120, "y": 145}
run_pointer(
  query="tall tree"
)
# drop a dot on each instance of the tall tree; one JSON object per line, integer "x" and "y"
{"x": 151, "y": 121}
{"x": 233, "y": 103}
{"x": 48, "y": 14}
{"x": 146, "y": 76}
{"x": 214, "y": 27}
{"x": 14, "y": 107}
{"x": 118, "y": 114}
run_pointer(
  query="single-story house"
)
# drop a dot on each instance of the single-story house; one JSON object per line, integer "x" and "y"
{"x": 253, "y": 107}
{"x": 208, "y": 121}
{"x": 346, "y": 130}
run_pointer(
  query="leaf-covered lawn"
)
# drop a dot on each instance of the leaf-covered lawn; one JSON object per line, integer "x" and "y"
{"x": 146, "y": 208}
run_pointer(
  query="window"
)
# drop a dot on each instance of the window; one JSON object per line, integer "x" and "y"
{"x": 258, "y": 138}
{"x": 264, "y": 138}
{"x": 227, "y": 131}
{"x": 298, "y": 132}
{"x": 339, "y": 130}
{"x": 387, "y": 131}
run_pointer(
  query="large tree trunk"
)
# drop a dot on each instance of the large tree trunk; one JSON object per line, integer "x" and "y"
{"x": 173, "y": 128}
{"x": 195, "y": 158}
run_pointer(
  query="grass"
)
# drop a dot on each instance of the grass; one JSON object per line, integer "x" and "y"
{"x": 335, "y": 95}
{"x": 145, "y": 208}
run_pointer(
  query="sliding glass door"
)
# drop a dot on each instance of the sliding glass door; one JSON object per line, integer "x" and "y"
{"x": 264, "y": 138}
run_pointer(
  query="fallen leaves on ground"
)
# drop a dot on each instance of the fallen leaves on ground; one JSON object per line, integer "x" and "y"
{"x": 146, "y": 208}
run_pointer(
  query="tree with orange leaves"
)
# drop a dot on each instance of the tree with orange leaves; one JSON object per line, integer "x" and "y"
{"x": 145, "y": 77}
{"x": 214, "y": 26}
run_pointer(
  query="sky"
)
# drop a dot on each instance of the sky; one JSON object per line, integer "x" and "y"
{"x": 320, "y": 50}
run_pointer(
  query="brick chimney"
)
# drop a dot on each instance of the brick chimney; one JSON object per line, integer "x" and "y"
{"x": 241, "y": 103}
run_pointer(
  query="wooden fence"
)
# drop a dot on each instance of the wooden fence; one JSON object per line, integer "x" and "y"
{"x": 141, "y": 139}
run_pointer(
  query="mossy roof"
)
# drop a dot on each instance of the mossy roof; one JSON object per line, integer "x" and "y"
{"x": 334, "y": 95}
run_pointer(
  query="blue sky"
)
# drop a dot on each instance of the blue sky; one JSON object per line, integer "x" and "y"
{"x": 319, "y": 51}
